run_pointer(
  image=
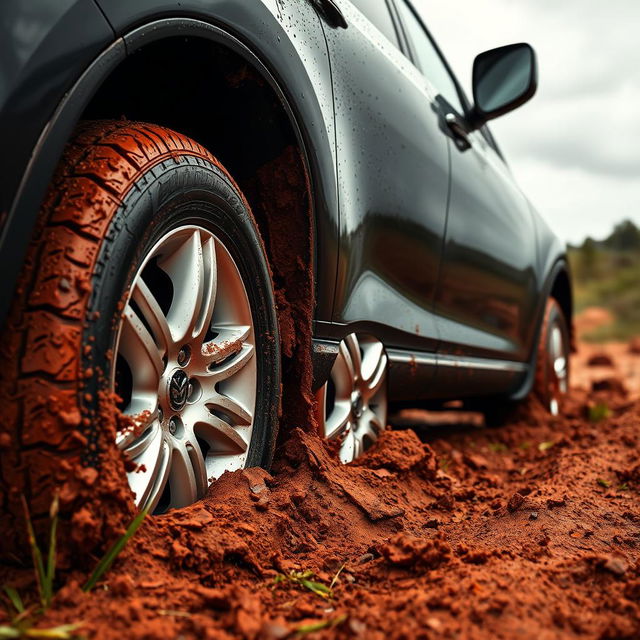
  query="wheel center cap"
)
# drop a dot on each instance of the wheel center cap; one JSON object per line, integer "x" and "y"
{"x": 178, "y": 389}
{"x": 357, "y": 405}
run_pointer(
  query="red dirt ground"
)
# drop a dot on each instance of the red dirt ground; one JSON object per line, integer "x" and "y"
{"x": 530, "y": 530}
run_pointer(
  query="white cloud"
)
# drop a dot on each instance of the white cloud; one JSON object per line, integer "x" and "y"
{"x": 575, "y": 147}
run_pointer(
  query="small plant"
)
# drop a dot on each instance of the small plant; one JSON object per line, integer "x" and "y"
{"x": 545, "y": 446}
{"x": 598, "y": 412}
{"x": 444, "y": 463}
{"x": 44, "y": 575}
{"x": 304, "y": 579}
{"x": 524, "y": 445}
{"x": 623, "y": 487}
{"x": 22, "y": 624}
{"x": 498, "y": 447}
{"x": 603, "y": 483}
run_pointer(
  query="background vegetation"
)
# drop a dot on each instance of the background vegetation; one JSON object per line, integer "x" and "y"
{"x": 606, "y": 274}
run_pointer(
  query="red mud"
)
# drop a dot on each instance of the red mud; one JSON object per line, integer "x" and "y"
{"x": 526, "y": 531}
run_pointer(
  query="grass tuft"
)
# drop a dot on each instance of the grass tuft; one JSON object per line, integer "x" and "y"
{"x": 304, "y": 579}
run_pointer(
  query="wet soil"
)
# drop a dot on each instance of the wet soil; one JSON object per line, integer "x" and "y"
{"x": 446, "y": 529}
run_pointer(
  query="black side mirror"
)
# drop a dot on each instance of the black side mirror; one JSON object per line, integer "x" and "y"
{"x": 503, "y": 79}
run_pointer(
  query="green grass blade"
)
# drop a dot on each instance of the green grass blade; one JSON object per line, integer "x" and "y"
{"x": 107, "y": 560}
{"x": 316, "y": 587}
{"x": 319, "y": 626}
{"x": 63, "y": 632}
{"x": 335, "y": 578}
{"x": 51, "y": 559}
{"x": 15, "y": 598}
{"x": 9, "y": 632}
{"x": 35, "y": 554}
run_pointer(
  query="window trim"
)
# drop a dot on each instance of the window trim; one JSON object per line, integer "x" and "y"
{"x": 466, "y": 105}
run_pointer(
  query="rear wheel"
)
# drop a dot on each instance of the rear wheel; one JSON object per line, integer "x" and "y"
{"x": 552, "y": 369}
{"x": 146, "y": 276}
{"x": 352, "y": 405}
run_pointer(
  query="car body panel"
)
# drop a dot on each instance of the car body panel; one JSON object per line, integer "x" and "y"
{"x": 488, "y": 287}
{"x": 393, "y": 177}
{"x": 39, "y": 63}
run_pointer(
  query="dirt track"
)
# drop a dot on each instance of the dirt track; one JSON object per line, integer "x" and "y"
{"x": 526, "y": 531}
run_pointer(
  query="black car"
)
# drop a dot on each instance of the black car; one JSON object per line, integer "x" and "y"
{"x": 236, "y": 213}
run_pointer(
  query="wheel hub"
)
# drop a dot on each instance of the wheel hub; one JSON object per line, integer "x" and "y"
{"x": 178, "y": 390}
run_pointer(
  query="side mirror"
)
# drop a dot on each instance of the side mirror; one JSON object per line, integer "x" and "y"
{"x": 503, "y": 79}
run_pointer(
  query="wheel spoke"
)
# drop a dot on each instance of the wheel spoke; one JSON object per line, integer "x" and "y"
{"x": 338, "y": 421}
{"x": 352, "y": 348}
{"x": 153, "y": 315}
{"x": 182, "y": 477}
{"x": 209, "y": 288}
{"x": 224, "y": 404}
{"x": 134, "y": 445}
{"x": 148, "y": 484}
{"x": 185, "y": 267}
{"x": 220, "y": 435}
{"x": 138, "y": 348}
{"x": 377, "y": 379}
{"x": 197, "y": 461}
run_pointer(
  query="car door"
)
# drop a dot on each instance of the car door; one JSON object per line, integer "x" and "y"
{"x": 393, "y": 176}
{"x": 486, "y": 291}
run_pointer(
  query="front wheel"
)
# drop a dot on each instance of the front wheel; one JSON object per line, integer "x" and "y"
{"x": 147, "y": 277}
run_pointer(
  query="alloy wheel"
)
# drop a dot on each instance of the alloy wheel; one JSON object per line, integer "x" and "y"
{"x": 352, "y": 405}
{"x": 558, "y": 366}
{"x": 186, "y": 369}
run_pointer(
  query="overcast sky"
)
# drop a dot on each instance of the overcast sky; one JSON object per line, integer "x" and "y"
{"x": 575, "y": 148}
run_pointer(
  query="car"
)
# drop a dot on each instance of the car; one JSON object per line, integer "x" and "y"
{"x": 228, "y": 216}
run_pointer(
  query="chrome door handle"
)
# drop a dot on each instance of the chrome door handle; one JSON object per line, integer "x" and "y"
{"x": 332, "y": 13}
{"x": 460, "y": 133}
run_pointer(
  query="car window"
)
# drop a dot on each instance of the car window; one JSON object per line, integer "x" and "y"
{"x": 377, "y": 12}
{"x": 428, "y": 59}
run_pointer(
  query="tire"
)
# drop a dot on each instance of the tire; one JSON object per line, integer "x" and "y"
{"x": 552, "y": 365}
{"x": 121, "y": 189}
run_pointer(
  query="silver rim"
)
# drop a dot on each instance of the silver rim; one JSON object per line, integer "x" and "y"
{"x": 558, "y": 367}
{"x": 185, "y": 369}
{"x": 352, "y": 405}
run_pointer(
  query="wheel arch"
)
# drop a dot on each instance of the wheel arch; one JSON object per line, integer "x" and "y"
{"x": 556, "y": 284}
{"x": 292, "y": 119}
{"x": 562, "y": 292}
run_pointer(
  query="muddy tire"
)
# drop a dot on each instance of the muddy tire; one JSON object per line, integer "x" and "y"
{"x": 552, "y": 366}
{"x": 119, "y": 190}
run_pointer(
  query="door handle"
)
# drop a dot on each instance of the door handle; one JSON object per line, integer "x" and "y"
{"x": 332, "y": 13}
{"x": 459, "y": 131}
